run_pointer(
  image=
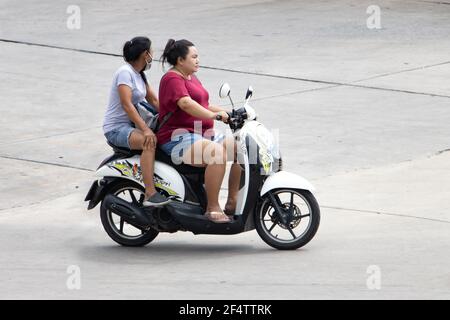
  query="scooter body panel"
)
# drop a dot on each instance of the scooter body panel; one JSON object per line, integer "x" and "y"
{"x": 192, "y": 219}
{"x": 166, "y": 178}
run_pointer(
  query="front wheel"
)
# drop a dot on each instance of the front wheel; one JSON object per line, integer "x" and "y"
{"x": 287, "y": 219}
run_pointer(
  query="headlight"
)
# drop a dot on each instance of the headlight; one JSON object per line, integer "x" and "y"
{"x": 268, "y": 150}
{"x": 266, "y": 160}
{"x": 264, "y": 138}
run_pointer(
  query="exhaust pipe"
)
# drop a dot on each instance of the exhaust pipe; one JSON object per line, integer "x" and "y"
{"x": 130, "y": 213}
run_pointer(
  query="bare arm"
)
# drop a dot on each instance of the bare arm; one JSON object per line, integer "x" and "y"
{"x": 214, "y": 108}
{"x": 195, "y": 109}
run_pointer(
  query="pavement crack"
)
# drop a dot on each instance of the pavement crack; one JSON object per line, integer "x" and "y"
{"x": 292, "y": 93}
{"x": 397, "y": 90}
{"x": 47, "y": 163}
{"x": 52, "y": 79}
{"x": 49, "y": 136}
{"x": 59, "y": 47}
{"x": 402, "y": 71}
{"x": 441, "y": 152}
{"x": 25, "y": 205}
{"x": 239, "y": 102}
{"x": 333, "y": 83}
{"x": 437, "y": 2}
{"x": 386, "y": 213}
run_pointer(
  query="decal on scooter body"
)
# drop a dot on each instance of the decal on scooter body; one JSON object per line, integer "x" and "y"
{"x": 127, "y": 169}
{"x": 166, "y": 178}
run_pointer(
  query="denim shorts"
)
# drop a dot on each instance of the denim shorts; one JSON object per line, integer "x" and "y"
{"x": 180, "y": 143}
{"x": 120, "y": 136}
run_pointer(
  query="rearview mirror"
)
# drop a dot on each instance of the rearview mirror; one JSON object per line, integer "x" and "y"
{"x": 224, "y": 90}
{"x": 249, "y": 93}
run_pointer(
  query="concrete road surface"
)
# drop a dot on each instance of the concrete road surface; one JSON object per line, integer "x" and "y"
{"x": 361, "y": 103}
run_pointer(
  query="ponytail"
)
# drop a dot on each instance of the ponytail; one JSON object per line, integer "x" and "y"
{"x": 174, "y": 50}
{"x": 143, "y": 77}
{"x": 133, "y": 48}
{"x": 126, "y": 50}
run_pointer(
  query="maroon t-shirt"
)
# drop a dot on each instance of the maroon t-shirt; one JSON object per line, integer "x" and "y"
{"x": 172, "y": 88}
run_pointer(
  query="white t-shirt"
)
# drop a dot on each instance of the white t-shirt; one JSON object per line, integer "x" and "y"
{"x": 115, "y": 115}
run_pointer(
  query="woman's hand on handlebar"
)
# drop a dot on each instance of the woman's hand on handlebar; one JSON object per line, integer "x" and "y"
{"x": 222, "y": 116}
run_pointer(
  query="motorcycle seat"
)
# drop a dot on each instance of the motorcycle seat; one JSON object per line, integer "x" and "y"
{"x": 160, "y": 155}
{"x": 181, "y": 168}
{"x": 123, "y": 151}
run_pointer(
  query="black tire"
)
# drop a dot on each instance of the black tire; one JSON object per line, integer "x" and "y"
{"x": 304, "y": 238}
{"x": 106, "y": 216}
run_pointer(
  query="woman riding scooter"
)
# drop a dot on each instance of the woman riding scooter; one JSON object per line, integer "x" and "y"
{"x": 130, "y": 87}
{"x": 182, "y": 94}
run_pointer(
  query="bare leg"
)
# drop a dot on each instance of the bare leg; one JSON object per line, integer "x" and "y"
{"x": 148, "y": 167}
{"x": 214, "y": 160}
{"x": 233, "y": 188}
{"x": 234, "y": 177}
{"x": 136, "y": 141}
{"x": 213, "y": 180}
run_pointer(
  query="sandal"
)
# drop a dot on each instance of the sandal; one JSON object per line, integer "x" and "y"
{"x": 229, "y": 212}
{"x": 217, "y": 217}
{"x": 230, "y": 209}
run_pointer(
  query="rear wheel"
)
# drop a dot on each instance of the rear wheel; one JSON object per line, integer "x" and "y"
{"x": 287, "y": 219}
{"x": 116, "y": 227}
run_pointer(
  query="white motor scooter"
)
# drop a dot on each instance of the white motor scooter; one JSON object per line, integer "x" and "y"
{"x": 279, "y": 205}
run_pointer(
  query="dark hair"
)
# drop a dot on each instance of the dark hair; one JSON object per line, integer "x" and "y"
{"x": 174, "y": 50}
{"x": 133, "y": 48}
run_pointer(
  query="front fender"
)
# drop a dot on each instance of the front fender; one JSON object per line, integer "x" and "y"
{"x": 284, "y": 179}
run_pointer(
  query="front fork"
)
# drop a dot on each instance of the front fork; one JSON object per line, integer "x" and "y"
{"x": 281, "y": 214}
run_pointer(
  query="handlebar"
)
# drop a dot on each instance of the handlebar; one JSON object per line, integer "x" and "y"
{"x": 235, "y": 118}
